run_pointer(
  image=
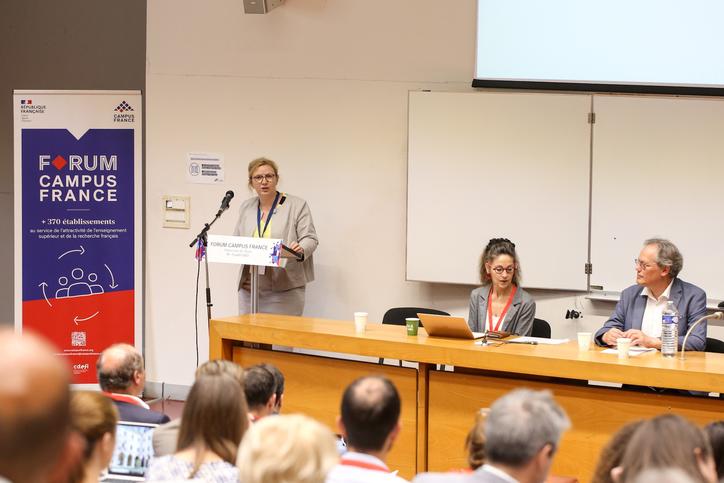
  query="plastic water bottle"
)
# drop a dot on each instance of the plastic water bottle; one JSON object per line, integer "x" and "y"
{"x": 669, "y": 330}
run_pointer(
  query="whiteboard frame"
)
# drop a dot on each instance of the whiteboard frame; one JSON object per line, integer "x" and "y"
{"x": 556, "y": 126}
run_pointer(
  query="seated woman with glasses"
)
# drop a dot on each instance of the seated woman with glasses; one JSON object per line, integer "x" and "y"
{"x": 500, "y": 304}
{"x": 272, "y": 214}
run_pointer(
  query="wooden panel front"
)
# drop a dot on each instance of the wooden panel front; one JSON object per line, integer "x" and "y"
{"x": 699, "y": 372}
{"x": 595, "y": 413}
{"x": 314, "y": 386}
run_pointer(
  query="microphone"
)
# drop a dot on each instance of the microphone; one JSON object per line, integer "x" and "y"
{"x": 225, "y": 202}
{"x": 715, "y": 315}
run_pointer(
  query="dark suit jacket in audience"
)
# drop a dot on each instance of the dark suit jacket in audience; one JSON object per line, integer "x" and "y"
{"x": 137, "y": 414}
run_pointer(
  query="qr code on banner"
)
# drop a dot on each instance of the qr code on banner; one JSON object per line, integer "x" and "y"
{"x": 77, "y": 339}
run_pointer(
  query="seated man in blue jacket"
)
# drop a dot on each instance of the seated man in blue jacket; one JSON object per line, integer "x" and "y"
{"x": 122, "y": 377}
{"x": 638, "y": 312}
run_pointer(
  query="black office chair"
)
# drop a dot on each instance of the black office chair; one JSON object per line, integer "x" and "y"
{"x": 714, "y": 345}
{"x": 541, "y": 328}
{"x": 397, "y": 316}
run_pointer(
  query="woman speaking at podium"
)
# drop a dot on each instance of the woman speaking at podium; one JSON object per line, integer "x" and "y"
{"x": 272, "y": 214}
{"x": 500, "y": 304}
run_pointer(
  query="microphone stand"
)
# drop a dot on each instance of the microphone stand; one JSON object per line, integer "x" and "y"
{"x": 714, "y": 316}
{"x": 204, "y": 242}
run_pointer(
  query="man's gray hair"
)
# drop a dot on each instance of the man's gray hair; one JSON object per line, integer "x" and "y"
{"x": 120, "y": 377}
{"x": 668, "y": 255}
{"x": 520, "y": 424}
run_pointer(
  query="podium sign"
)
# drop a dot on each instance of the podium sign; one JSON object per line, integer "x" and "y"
{"x": 242, "y": 250}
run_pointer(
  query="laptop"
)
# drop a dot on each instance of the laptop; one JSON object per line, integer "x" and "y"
{"x": 448, "y": 326}
{"x": 133, "y": 452}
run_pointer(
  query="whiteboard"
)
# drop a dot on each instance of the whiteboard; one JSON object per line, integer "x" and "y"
{"x": 488, "y": 164}
{"x": 658, "y": 170}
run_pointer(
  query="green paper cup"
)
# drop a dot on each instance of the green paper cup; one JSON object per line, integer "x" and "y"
{"x": 412, "y": 323}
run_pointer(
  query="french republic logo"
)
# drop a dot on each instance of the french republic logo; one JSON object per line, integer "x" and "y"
{"x": 122, "y": 113}
{"x": 27, "y": 107}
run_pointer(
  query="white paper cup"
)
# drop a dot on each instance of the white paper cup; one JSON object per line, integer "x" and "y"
{"x": 584, "y": 341}
{"x": 360, "y": 322}
{"x": 623, "y": 344}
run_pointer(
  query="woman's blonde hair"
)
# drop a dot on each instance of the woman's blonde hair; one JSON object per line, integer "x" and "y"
{"x": 258, "y": 163}
{"x": 287, "y": 449}
{"x": 475, "y": 441}
{"x": 92, "y": 415}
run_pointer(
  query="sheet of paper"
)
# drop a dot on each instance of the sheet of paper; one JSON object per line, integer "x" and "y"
{"x": 541, "y": 340}
{"x": 204, "y": 168}
{"x": 632, "y": 352}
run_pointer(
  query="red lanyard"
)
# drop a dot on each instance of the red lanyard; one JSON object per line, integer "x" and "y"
{"x": 362, "y": 464}
{"x": 505, "y": 310}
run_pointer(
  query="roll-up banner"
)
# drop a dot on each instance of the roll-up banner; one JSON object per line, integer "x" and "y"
{"x": 78, "y": 232}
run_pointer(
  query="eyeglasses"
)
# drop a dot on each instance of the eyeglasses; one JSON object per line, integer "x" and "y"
{"x": 264, "y": 177}
{"x": 499, "y": 270}
{"x": 643, "y": 266}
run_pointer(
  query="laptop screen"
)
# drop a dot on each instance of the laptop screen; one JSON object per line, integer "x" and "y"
{"x": 133, "y": 451}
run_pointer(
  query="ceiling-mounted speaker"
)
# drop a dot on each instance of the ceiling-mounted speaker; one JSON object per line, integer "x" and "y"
{"x": 261, "y": 6}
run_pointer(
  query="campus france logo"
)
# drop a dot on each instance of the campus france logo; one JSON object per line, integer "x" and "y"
{"x": 122, "y": 113}
{"x": 123, "y": 107}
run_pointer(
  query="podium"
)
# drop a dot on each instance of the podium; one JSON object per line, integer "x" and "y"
{"x": 256, "y": 253}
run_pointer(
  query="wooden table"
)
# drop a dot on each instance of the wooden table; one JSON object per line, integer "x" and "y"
{"x": 439, "y": 406}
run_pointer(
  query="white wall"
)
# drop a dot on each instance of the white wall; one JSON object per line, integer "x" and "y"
{"x": 320, "y": 86}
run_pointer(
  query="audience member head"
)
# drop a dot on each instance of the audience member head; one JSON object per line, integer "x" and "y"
{"x": 370, "y": 415}
{"x": 715, "y": 432}
{"x": 215, "y": 367}
{"x": 259, "y": 388}
{"x": 499, "y": 252}
{"x": 667, "y": 441}
{"x": 120, "y": 370}
{"x": 278, "y": 386}
{"x": 94, "y": 416}
{"x": 35, "y": 433}
{"x": 214, "y": 418}
{"x": 475, "y": 441}
{"x": 612, "y": 453}
{"x": 287, "y": 449}
{"x": 522, "y": 432}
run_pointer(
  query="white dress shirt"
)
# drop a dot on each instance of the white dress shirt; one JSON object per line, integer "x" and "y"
{"x": 651, "y": 323}
{"x": 499, "y": 473}
{"x": 376, "y": 472}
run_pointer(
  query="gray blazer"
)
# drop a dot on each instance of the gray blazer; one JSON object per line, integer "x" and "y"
{"x": 477, "y": 476}
{"x": 518, "y": 320}
{"x": 292, "y": 222}
{"x": 689, "y": 299}
{"x": 165, "y": 438}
